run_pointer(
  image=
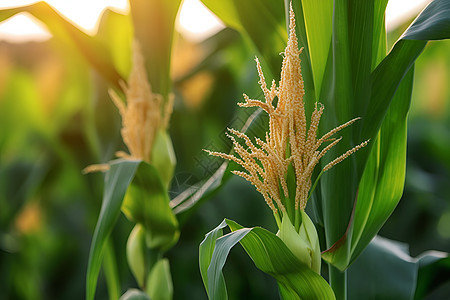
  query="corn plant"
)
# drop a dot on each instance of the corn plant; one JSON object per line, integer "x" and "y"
{"x": 137, "y": 183}
{"x": 346, "y": 67}
{"x": 348, "y": 80}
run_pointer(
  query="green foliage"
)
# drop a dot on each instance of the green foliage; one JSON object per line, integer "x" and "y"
{"x": 49, "y": 133}
{"x": 269, "y": 253}
{"x": 146, "y": 202}
{"x": 159, "y": 283}
{"x": 353, "y": 77}
{"x": 134, "y": 187}
{"x": 398, "y": 276}
{"x": 386, "y": 80}
{"x": 154, "y": 23}
{"x": 117, "y": 180}
{"x": 138, "y": 259}
{"x": 97, "y": 53}
{"x": 134, "y": 294}
{"x": 262, "y": 22}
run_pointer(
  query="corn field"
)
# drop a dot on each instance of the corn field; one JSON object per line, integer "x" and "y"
{"x": 129, "y": 158}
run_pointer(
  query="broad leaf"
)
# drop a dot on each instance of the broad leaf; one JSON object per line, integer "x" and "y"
{"x": 135, "y": 187}
{"x": 384, "y": 122}
{"x": 346, "y": 92}
{"x": 389, "y": 182}
{"x": 115, "y": 30}
{"x": 137, "y": 257}
{"x": 92, "y": 49}
{"x": 154, "y": 22}
{"x": 159, "y": 283}
{"x": 318, "y": 17}
{"x": 393, "y": 273}
{"x": 269, "y": 254}
{"x": 146, "y": 202}
{"x": 134, "y": 294}
{"x": 432, "y": 24}
{"x": 117, "y": 180}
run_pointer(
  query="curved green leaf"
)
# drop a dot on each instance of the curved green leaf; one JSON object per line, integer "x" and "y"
{"x": 226, "y": 11}
{"x": 115, "y": 31}
{"x": 91, "y": 48}
{"x": 393, "y": 272}
{"x": 433, "y": 273}
{"x": 269, "y": 254}
{"x": 163, "y": 156}
{"x": 135, "y": 187}
{"x": 346, "y": 92}
{"x": 138, "y": 261}
{"x": 432, "y": 24}
{"x": 146, "y": 202}
{"x": 261, "y": 21}
{"x": 384, "y": 122}
{"x": 318, "y": 22}
{"x": 134, "y": 294}
{"x": 206, "y": 250}
{"x": 117, "y": 180}
{"x": 390, "y": 177}
{"x": 154, "y": 22}
{"x": 159, "y": 283}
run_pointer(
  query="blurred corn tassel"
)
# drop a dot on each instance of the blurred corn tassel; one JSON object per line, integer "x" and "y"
{"x": 145, "y": 112}
{"x": 145, "y": 118}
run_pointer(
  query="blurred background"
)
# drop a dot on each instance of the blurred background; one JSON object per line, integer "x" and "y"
{"x": 56, "y": 118}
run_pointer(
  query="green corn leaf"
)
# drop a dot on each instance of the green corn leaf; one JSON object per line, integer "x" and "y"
{"x": 269, "y": 254}
{"x": 390, "y": 178}
{"x": 163, "y": 156}
{"x": 147, "y": 203}
{"x": 393, "y": 272}
{"x": 117, "y": 180}
{"x": 134, "y": 294}
{"x": 115, "y": 31}
{"x": 261, "y": 22}
{"x": 111, "y": 272}
{"x": 345, "y": 94}
{"x": 135, "y": 187}
{"x": 154, "y": 22}
{"x": 318, "y": 17}
{"x": 137, "y": 254}
{"x": 432, "y": 266}
{"x": 385, "y": 123}
{"x": 159, "y": 283}
{"x": 95, "y": 52}
{"x": 206, "y": 250}
{"x": 382, "y": 183}
{"x": 226, "y": 11}
{"x": 432, "y": 24}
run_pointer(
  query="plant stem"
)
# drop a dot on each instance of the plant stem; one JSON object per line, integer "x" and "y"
{"x": 338, "y": 282}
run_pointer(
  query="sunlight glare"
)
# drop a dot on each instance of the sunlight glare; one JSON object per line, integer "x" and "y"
{"x": 400, "y": 11}
{"x": 23, "y": 27}
{"x": 84, "y": 13}
{"x": 195, "y": 22}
